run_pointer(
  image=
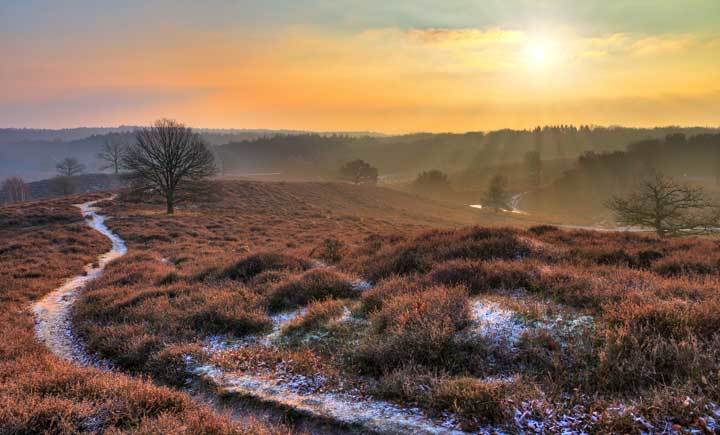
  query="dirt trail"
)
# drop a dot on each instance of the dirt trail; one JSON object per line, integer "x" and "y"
{"x": 53, "y": 326}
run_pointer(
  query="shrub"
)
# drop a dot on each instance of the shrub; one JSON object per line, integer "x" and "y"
{"x": 616, "y": 258}
{"x": 482, "y": 276}
{"x": 476, "y": 401}
{"x": 374, "y": 298}
{"x": 674, "y": 266}
{"x": 331, "y": 250}
{"x": 254, "y": 264}
{"x": 317, "y": 314}
{"x": 539, "y": 230}
{"x": 658, "y": 342}
{"x": 313, "y": 285}
{"x": 647, "y": 257}
{"x": 420, "y": 254}
{"x": 630, "y": 361}
{"x": 415, "y": 328}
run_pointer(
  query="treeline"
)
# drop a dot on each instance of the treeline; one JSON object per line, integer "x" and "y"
{"x": 423, "y": 151}
{"x": 597, "y": 175}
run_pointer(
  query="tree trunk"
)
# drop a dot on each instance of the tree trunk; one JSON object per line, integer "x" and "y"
{"x": 170, "y": 203}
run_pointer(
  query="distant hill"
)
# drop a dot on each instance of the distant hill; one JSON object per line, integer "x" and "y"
{"x": 317, "y": 155}
{"x": 81, "y": 184}
{"x": 33, "y": 153}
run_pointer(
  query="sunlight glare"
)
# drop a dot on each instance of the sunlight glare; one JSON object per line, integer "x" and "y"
{"x": 539, "y": 53}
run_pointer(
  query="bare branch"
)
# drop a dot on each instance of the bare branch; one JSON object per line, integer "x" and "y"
{"x": 69, "y": 166}
{"x": 168, "y": 158}
{"x": 667, "y": 206}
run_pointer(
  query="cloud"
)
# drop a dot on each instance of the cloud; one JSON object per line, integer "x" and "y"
{"x": 466, "y": 36}
{"x": 627, "y": 44}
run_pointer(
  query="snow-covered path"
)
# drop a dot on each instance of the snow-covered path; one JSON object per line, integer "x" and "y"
{"x": 302, "y": 395}
{"x": 53, "y": 326}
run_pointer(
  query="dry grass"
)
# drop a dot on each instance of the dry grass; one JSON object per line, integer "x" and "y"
{"x": 317, "y": 314}
{"x": 314, "y": 285}
{"x": 414, "y": 329}
{"x": 42, "y": 244}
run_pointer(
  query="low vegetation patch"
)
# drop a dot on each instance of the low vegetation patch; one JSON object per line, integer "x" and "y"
{"x": 313, "y": 285}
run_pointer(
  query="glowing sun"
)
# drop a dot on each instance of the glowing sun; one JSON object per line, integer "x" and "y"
{"x": 540, "y": 53}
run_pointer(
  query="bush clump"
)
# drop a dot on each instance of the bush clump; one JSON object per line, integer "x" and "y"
{"x": 415, "y": 328}
{"x": 420, "y": 254}
{"x": 252, "y": 265}
{"x": 374, "y": 298}
{"x": 482, "y": 276}
{"x": 313, "y": 285}
{"x": 317, "y": 314}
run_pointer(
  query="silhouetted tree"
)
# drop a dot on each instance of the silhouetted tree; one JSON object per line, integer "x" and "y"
{"x": 14, "y": 189}
{"x": 432, "y": 181}
{"x": 359, "y": 171}
{"x": 533, "y": 166}
{"x": 497, "y": 196}
{"x": 168, "y": 158}
{"x": 112, "y": 154}
{"x": 669, "y": 207}
{"x": 69, "y": 166}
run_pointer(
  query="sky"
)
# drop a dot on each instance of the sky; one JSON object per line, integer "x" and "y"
{"x": 360, "y": 65}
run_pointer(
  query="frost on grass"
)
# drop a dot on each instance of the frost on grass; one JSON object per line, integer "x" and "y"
{"x": 504, "y": 327}
{"x": 313, "y": 395}
{"x": 349, "y": 407}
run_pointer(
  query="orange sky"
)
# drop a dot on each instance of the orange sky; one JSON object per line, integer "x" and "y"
{"x": 382, "y": 78}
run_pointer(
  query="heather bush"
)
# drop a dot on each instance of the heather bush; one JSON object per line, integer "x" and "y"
{"x": 252, "y": 265}
{"x": 420, "y": 254}
{"x": 678, "y": 266}
{"x": 539, "y": 230}
{"x": 331, "y": 250}
{"x": 484, "y": 276}
{"x": 313, "y": 285}
{"x": 374, "y": 298}
{"x": 478, "y": 401}
{"x": 414, "y": 328}
{"x": 645, "y": 258}
{"x": 317, "y": 314}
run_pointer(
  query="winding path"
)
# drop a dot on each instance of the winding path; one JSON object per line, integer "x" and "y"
{"x": 53, "y": 325}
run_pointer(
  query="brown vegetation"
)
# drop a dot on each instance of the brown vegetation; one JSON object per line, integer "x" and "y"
{"x": 607, "y": 318}
{"x": 42, "y": 244}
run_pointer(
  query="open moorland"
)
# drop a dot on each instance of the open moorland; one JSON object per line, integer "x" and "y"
{"x": 366, "y": 307}
{"x": 42, "y": 245}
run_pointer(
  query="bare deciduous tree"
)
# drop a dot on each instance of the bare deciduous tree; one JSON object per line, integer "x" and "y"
{"x": 667, "y": 206}
{"x": 168, "y": 158}
{"x": 69, "y": 166}
{"x": 112, "y": 154}
{"x": 14, "y": 189}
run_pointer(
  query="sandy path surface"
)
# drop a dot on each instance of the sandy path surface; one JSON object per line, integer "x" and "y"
{"x": 53, "y": 326}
